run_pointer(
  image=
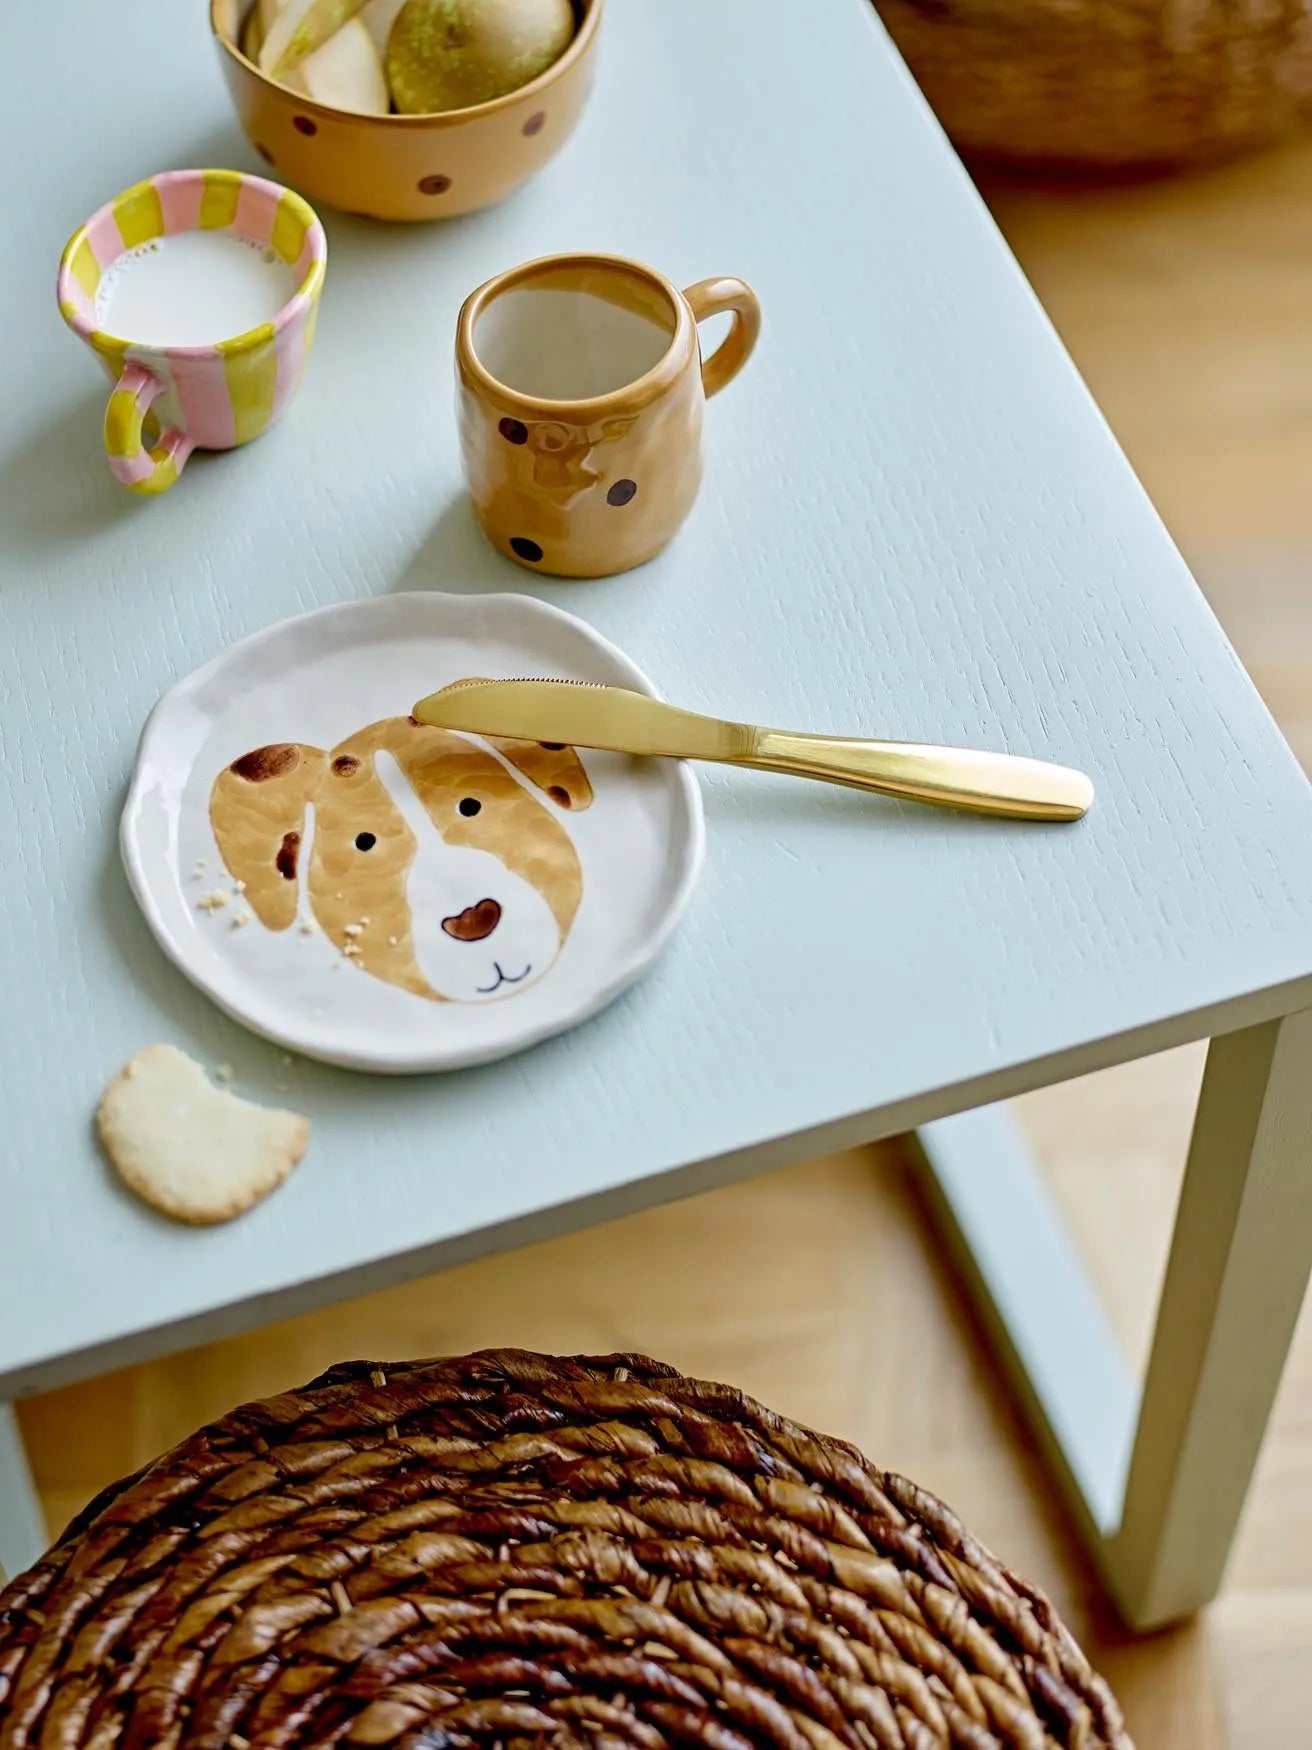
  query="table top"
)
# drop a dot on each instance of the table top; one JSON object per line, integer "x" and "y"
{"x": 914, "y": 523}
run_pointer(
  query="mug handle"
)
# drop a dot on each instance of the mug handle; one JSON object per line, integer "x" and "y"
{"x": 713, "y": 298}
{"x": 137, "y": 468}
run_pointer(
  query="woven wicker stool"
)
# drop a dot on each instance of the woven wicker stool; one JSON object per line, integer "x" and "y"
{"x": 516, "y": 1551}
{"x": 1108, "y": 84}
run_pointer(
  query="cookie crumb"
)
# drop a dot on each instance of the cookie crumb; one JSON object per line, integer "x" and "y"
{"x": 391, "y": 941}
{"x": 308, "y": 926}
{"x": 239, "y": 887}
{"x": 353, "y": 929}
{"x": 241, "y": 920}
{"x": 214, "y": 901}
{"x": 223, "y": 1072}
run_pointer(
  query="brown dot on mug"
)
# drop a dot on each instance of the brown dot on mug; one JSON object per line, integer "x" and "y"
{"x": 525, "y": 549}
{"x": 553, "y": 746}
{"x": 345, "y": 763}
{"x": 560, "y": 795}
{"x": 434, "y": 184}
{"x": 514, "y": 431}
{"x": 621, "y": 492}
{"x": 535, "y": 122}
{"x": 304, "y": 125}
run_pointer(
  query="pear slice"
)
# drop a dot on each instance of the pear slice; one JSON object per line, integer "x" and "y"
{"x": 301, "y": 27}
{"x": 251, "y": 39}
{"x": 345, "y": 73}
{"x": 378, "y": 17}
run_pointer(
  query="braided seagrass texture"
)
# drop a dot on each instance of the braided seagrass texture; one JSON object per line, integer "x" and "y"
{"x": 516, "y": 1552}
{"x": 1108, "y": 84}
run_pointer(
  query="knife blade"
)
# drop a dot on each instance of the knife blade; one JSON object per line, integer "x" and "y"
{"x": 583, "y": 715}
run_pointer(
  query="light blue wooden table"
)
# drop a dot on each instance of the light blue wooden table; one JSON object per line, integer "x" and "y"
{"x": 914, "y": 523}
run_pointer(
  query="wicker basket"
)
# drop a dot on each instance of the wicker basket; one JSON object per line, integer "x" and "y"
{"x": 515, "y": 1551}
{"x": 1107, "y": 84}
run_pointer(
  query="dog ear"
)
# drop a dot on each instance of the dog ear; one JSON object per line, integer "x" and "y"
{"x": 549, "y": 766}
{"x": 257, "y": 812}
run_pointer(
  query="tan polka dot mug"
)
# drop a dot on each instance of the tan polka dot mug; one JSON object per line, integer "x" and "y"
{"x": 581, "y": 388}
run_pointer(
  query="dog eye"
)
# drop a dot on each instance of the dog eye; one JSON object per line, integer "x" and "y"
{"x": 365, "y": 841}
{"x": 469, "y": 806}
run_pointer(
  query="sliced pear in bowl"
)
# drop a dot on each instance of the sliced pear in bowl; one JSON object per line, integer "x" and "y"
{"x": 299, "y": 29}
{"x": 251, "y": 39}
{"x": 345, "y": 73}
{"x": 378, "y": 17}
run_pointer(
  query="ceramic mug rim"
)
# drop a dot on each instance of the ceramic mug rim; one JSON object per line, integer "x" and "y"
{"x": 292, "y": 311}
{"x": 441, "y": 118}
{"x": 642, "y": 389}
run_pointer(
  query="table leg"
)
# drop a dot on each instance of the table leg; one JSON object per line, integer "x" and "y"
{"x": 1234, "y": 1284}
{"x": 22, "y": 1526}
{"x": 1157, "y": 1484}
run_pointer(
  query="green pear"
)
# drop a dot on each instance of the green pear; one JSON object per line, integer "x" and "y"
{"x": 452, "y": 54}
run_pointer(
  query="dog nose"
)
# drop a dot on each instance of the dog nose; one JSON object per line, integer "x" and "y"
{"x": 475, "y": 923}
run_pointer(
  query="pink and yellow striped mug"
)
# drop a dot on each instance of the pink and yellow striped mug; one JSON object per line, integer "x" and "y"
{"x": 168, "y": 400}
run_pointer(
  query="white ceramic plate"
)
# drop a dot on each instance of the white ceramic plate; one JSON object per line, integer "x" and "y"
{"x": 409, "y": 900}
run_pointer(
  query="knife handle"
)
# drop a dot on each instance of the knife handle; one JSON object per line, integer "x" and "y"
{"x": 951, "y": 777}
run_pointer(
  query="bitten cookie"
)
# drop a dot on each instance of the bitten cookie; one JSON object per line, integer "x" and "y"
{"x": 189, "y": 1149}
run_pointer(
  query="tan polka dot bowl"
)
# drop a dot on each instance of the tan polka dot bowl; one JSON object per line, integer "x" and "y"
{"x": 408, "y": 166}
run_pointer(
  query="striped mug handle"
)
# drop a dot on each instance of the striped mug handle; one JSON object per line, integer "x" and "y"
{"x": 140, "y": 469}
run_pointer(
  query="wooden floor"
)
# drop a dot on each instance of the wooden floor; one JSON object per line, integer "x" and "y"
{"x": 1188, "y": 308}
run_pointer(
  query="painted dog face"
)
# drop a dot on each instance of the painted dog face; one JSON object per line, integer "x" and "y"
{"x": 420, "y": 855}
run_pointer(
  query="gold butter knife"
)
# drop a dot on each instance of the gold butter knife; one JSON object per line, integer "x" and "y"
{"x": 584, "y": 715}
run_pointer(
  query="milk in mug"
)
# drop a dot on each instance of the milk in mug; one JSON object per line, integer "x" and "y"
{"x": 192, "y": 289}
